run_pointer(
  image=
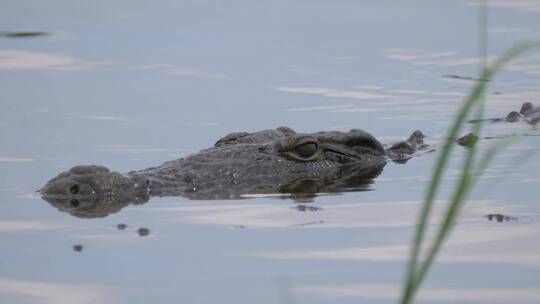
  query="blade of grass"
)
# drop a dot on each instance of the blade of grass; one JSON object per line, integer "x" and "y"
{"x": 412, "y": 277}
{"x": 460, "y": 194}
{"x": 476, "y": 93}
{"x": 433, "y": 186}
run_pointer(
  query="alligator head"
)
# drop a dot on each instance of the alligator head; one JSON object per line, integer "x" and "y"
{"x": 239, "y": 164}
{"x": 93, "y": 191}
{"x": 273, "y": 161}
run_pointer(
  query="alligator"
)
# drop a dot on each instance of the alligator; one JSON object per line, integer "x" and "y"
{"x": 527, "y": 113}
{"x": 278, "y": 161}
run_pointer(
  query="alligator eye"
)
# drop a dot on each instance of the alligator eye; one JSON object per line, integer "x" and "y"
{"x": 74, "y": 189}
{"x": 306, "y": 150}
{"x": 75, "y": 202}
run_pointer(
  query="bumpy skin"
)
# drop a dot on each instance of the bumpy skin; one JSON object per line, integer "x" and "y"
{"x": 94, "y": 191}
{"x": 269, "y": 161}
{"x": 528, "y": 113}
{"x": 402, "y": 151}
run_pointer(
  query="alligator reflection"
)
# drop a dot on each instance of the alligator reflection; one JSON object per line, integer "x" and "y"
{"x": 300, "y": 191}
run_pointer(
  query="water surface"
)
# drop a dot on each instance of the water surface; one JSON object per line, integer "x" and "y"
{"x": 130, "y": 86}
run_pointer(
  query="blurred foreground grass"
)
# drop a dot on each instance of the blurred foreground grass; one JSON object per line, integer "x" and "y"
{"x": 472, "y": 168}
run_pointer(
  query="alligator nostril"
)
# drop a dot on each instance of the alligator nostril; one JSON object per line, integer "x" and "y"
{"x": 74, "y": 189}
{"x": 75, "y": 202}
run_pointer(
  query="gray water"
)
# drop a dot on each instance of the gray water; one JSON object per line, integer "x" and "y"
{"x": 128, "y": 85}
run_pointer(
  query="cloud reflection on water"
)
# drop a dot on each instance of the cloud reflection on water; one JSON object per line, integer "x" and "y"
{"x": 475, "y": 240}
{"x": 16, "y": 159}
{"x": 272, "y": 214}
{"x": 519, "y": 5}
{"x": 527, "y": 65}
{"x": 14, "y": 226}
{"x": 22, "y": 60}
{"x": 103, "y": 118}
{"x": 392, "y": 292}
{"x": 197, "y": 73}
{"x": 55, "y": 293}
{"x": 328, "y": 92}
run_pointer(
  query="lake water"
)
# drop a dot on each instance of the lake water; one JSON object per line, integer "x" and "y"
{"x": 130, "y": 85}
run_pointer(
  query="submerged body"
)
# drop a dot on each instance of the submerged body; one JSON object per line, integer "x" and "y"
{"x": 527, "y": 113}
{"x": 264, "y": 162}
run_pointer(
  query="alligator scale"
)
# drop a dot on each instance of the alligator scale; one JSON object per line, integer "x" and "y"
{"x": 264, "y": 162}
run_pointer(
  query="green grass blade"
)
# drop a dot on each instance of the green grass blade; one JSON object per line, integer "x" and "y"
{"x": 458, "y": 199}
{"x": 411, "y": 280}
{"x": 433, "y": 186}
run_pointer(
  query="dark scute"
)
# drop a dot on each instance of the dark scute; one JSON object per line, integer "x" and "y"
{"x": 230, "y": 138}
{"x": 88, "y": 169}
{"x": 513, "y": 116}
{"x": 525, "y": 108}
{"x": 355, "y": 139}
{"x": 358, "y": 137}
{"x": 286, "y": 130}
{"x": 417, "y": 138}
{"x": 468, "y": 140}
{"x": 402, "y": 147}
